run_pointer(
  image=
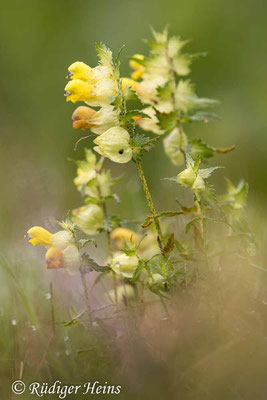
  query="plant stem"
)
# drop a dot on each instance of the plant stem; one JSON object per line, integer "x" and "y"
{"x": 115, "y": 286}
{"x": 52, "y": 310}
{"x": 151, "y": 206}
{"x": 104, "y": 207}
{"x": 86, "y": 295}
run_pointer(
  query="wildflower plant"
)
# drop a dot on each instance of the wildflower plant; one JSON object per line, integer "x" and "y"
{"x": 117, "y": 112}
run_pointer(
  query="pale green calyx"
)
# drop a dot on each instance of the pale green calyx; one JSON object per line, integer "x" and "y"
{"x": 115, "y": 145}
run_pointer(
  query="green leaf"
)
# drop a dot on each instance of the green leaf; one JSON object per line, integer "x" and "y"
{"x": 133, "y": 113}
{"x": 201, "y": 150}
{"x": 165, "y": 91}
{"x": 104, "y": 54}
{"x": 138, "y": 271}
{"x": 191, "y": 223}
{"x": 88, "y": 265}
{"x": 83, "y": 242}
{"x": 117, "y": 101}
{"x": 131, "y": 95}
{"x": 141, "y": 144}
{"x": 200, "y": 116}
{"x": 167, "y": 121}
{"x": 112, "y": 196}
{"x": 117, "y": 63}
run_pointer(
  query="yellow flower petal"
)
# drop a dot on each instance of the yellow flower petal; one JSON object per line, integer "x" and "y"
{"x": 79, "y": 70}
{"x": 39, "y": 235}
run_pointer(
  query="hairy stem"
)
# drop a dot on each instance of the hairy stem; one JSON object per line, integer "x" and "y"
{"x": 151, "y": 205}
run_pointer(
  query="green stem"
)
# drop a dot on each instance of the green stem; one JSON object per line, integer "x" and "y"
{"x": 104, "y": 207}
{"x": 86, "y": 295}
{"x": 151, "y": 206}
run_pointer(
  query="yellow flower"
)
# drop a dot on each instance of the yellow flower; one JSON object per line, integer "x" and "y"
{"x": 130, "y": 83}
{"x": 88, "y": 218}
{"x": 118, "y": 235}
{"x": 60, "y": 239}
{"x": 115, "y": 145}
{"x": 80, "y": 70}
{"x": 174, "y": 143}
{"x": 98, "y": 94}
{"x": 124, "y": 265}
{"x": 39, "y": 235}
{"x": 139, "y": 69}
{"x": 97, "y": 121}
{"x": 78, "y": 90}
{"x": 69, "y": 259}
{"x": 82, "y": 117}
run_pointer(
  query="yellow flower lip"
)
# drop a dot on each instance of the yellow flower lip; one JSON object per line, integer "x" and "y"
{"x": 39, "y": 235}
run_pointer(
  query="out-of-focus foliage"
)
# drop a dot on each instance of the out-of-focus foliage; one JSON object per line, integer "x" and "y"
{"x": 38, "y": 40}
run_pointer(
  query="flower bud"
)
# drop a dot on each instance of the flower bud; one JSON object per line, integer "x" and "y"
{"x": 82, "y": 116}
{"x": 187, "y": 177}
{"x": 54, "y": 258}
{"x": 124, "y": 265}
{"x": 88, "y": 218}
{"x": 115, "y": 145}
{"x": 69, "y": 259}
{"x": 119, "y": 234}
{"x": 39, "y": 235}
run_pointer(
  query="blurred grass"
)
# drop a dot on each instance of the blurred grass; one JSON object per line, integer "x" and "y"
{"x": 38, "y": 40}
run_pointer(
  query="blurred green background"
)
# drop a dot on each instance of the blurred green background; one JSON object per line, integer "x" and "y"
{"x": 40, "y": 39}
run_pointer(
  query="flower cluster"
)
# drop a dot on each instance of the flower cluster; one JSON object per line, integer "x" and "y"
{"x": 158, "y": 98}
{"x": 99, "y": 87}
{"x": 62, "y": 252}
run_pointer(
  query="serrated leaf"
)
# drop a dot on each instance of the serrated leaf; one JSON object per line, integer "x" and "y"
{"x": 104, "y": 54}
{"x": 117, "y": 63}
{"x": 165, "y": 91}
{"x": 133, "y": 113}
{"x": 131, "y": 95}
{"x": 88, "y": 265}
{"x": 200, "y": 149}
{"x": 167, "y": 121}
{"x": 83, "y": 242}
